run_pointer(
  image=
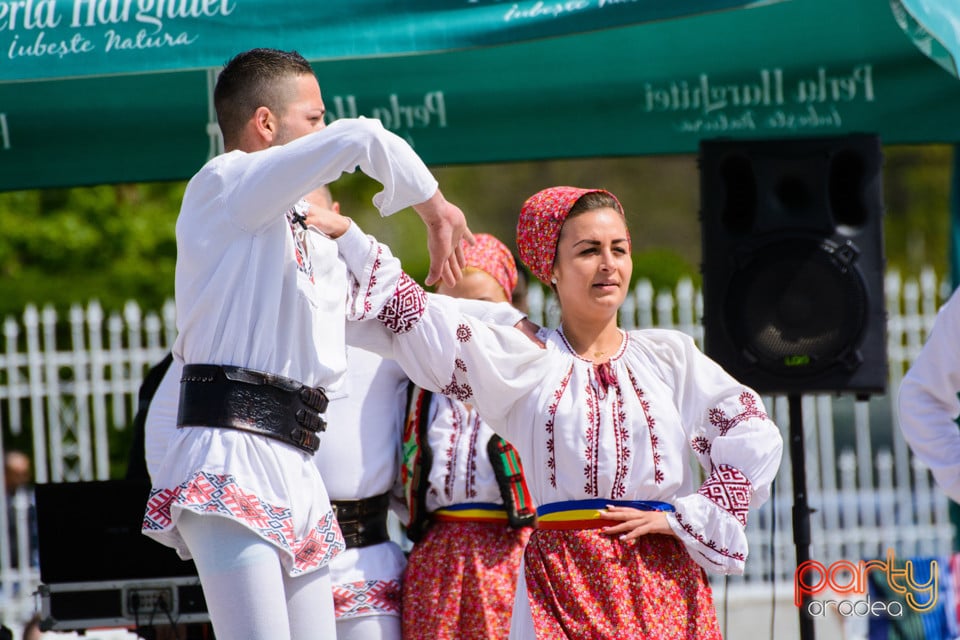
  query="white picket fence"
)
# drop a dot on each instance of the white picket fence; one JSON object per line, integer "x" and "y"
{"x": 68, "y": 384}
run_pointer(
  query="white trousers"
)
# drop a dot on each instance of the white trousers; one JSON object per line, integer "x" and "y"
{"x": 248, "y": 593}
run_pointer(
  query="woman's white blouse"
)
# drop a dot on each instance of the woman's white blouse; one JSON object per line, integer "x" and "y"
{"x": 627, "y": 433}
{"x": 461, "y": 470}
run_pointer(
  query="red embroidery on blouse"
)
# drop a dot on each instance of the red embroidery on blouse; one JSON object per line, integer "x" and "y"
{"x": 621, "y": 436}
{"x": 463, "y": 333}
{"x": 710, "y": 544}
{"x": 405, "y": 307}
{"x": 474, "y": 426}
{"x": 622, "y": 440}
{"x": 700, "y": 445}
{"x": 719, "y": 419}
{"x": 549, "y": 427}
{"x": 456, "y": 425}
{"x": 658, "y": 475}
{"x": 730, "y": 490}
{"x": 462, "y": 424}
{"x": 592, "y": 436}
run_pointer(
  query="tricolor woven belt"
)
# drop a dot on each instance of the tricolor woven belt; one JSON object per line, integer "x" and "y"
{"x": 585, "y": 514}
{"x": 484, "y": 512}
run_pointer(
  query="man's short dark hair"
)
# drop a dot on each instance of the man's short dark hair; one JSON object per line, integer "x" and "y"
{"x": 250, "y": 80}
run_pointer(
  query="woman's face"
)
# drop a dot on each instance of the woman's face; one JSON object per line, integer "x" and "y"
{"x": 593, "y": 264}
{"x": 475, "y": 285}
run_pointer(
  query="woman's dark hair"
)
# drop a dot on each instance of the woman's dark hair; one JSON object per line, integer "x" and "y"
{"x": 593, "y": 201}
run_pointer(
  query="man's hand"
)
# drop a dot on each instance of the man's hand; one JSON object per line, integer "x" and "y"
{"x": 446, "y": 227}
{"x": 327, "y": 221}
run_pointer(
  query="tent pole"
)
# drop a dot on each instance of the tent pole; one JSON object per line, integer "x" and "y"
{"x": 213, "y": 128}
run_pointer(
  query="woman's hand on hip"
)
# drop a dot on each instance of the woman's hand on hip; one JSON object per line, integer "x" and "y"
{"x": 634, "y": 523}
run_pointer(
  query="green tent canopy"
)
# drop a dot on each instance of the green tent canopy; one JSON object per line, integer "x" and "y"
{"x": 792, "y": 68}
{"x": 46, "y": 39}
{"x": 934, "y": 26}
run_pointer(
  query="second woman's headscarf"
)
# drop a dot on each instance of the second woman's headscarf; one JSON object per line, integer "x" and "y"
{"x": 494, "y": 258}
{"x": 538, "y": 228}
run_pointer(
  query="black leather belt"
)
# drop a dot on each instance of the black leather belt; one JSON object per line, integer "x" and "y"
{"x": 262, "y": 403}
{"x": 363, "y": 522}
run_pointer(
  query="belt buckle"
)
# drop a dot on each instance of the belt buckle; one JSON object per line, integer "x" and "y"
{"x": 304, "y": 439}
{"x": 315, "y": 398}
{"x": 346, "y": 512}
{"x": 310, "y": 420}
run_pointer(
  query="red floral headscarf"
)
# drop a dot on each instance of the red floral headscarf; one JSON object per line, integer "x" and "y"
{"x": 538, "y": 228}
{"x": 494, "y": 258}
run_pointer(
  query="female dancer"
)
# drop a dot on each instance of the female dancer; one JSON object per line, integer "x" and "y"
{"x": 605, "y": 420}
{"x": 470, "y": 507}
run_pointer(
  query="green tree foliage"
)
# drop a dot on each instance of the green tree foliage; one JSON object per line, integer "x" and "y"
{"x": 917, "y": 201}
{"x": 117, "y": 243}
{"x": 65, "y": 246}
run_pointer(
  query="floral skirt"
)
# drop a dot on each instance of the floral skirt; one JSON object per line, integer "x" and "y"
{"x": 461, "y": 581}
{"x": 586, "y": 585}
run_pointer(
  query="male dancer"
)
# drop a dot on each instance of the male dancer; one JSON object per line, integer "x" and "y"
{"x": 261, "y": 310}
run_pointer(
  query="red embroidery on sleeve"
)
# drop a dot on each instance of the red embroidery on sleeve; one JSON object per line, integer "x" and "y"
{"x": 719, "y": 419}
{"x": 730, "y": 490}
{"x": 710, "y": 544}
{"x": 405, "y": 308}
{"x": 371, "y": 282}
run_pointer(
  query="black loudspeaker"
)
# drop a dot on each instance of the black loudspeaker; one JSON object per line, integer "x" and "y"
{"x": 793, "y": 263}
{"x": 109, "y": 546}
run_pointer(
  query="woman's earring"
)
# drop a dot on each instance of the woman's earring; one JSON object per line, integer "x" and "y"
{"x": 553, "y": 280}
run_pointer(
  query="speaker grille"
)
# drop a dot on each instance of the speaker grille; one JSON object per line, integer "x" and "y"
{"x": 793, "y": 264}
{"x": 798, "y": 307}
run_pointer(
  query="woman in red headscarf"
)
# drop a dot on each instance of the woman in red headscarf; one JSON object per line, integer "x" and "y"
{"x": 606, "y": 421}
{"x": 470, "y": 509}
